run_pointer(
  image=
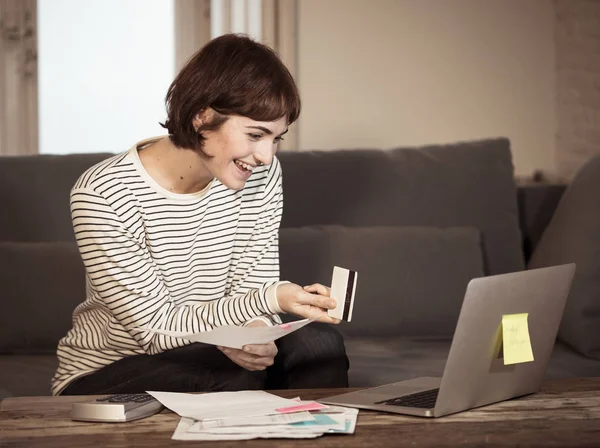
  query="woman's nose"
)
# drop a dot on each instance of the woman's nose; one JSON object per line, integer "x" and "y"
{"x": 264, "y": 156}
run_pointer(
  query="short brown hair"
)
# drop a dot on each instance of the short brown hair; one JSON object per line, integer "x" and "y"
{"x": 233, "y": 75}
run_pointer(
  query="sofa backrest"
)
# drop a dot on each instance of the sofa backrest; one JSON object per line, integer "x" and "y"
{"x": 34, "y": 195}
{"x": 463, "y": 184}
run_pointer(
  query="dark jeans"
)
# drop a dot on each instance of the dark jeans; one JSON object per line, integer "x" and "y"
{"x": 311, "y": 357}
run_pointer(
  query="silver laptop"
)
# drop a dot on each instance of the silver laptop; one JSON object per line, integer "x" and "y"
{"x": 475, "y": 373}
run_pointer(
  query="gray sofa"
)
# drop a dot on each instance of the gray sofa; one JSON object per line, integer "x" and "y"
{"x": 416, "y": 223}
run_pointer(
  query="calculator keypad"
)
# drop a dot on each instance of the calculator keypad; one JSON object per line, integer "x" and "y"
{"x": 126, "y": 398}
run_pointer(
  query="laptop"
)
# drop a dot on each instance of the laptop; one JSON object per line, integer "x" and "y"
{"x": 475, "y": 373}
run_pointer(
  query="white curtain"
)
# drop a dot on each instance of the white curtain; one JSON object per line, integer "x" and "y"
{"x": 192, "y": 28}
{"x": 279, "y": 30}
{"x": 18, "y": 77}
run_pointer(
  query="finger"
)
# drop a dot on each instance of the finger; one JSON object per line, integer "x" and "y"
{"x": 257, "y": 360}
{"x": 325, "y": 318}
{"x": 317, "y": 300}
{"x": 246, "y": 360}
{"x": 261, "y": 350}
{"x": 315, "y": 313}
{"x": 246, "y": 365}
{"x": 319, "y": 289}
{"x": 312, "y": 312}
{"x": 253, "y": 362}
{"x": 263, "y": 362}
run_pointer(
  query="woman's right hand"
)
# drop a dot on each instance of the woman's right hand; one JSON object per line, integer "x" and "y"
{"x": 294, "y": 299}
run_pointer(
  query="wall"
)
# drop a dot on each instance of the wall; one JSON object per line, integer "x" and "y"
{"x": 578, "y": 83}
{"x": 387, "y": 73}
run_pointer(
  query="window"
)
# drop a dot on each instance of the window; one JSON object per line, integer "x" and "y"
{"x": 104, "y": 69}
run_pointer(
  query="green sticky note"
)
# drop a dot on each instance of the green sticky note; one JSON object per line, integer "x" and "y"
{"x": 516, "y": 344}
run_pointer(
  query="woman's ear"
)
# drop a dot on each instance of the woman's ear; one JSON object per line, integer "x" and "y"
{"x": 202, "y": 117}
{"x": 197, "y": 122}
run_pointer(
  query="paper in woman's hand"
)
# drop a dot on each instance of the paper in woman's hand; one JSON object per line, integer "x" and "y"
{"x": 236, "y": 337}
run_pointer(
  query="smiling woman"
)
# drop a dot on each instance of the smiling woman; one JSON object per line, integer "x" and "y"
{"x": 181, "y": 233}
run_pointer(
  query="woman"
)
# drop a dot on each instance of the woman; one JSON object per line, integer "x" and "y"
{"x": 180, "y": 233}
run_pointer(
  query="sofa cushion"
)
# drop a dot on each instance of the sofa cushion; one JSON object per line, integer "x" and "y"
{"x": 41, "y": 285}
{"x": 26, "y": 375}
{"x": 411, "y": 280}
{"x": 461, "y": 184}
{"x": 34, "y": 195}
{"x": 573, "y": 236}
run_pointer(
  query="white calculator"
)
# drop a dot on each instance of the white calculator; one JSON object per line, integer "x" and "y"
{"x": 116, "y": 408}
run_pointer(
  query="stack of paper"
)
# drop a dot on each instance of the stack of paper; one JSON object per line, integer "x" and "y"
{"x": 253, "y": 414}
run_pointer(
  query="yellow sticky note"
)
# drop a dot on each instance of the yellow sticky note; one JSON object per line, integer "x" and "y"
{"x": 515, "y": 339}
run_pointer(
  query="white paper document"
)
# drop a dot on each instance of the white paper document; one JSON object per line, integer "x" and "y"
{"x": 181, "y": 433}
{"x": 248, "y": 415}
{"x": 217, "y": 405}
{"x": 276, "y": 419}
{"x": 237, "y": 337}
{"x": 343, "y": 422}
{"x": 319, "y": 424}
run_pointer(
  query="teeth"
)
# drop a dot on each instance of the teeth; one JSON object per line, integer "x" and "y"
{"x": 244, "y": 165}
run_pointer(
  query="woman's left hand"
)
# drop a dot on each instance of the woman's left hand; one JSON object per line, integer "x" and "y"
{"x": 252, "y": 356}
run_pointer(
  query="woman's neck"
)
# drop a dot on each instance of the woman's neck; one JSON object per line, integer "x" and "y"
{"x": 176, "y": 169}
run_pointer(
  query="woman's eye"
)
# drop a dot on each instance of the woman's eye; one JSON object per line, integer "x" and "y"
{"x": 279, "y": 139}
{"x": 255, "y": 136}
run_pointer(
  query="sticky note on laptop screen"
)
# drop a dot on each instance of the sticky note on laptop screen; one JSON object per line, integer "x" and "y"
{"x": 516, "y": 343}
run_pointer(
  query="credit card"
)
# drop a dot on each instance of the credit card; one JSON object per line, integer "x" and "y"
{"x": 343, "y": 288}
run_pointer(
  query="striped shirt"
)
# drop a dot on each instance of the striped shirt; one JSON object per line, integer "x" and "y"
{"x": 156, "y": 259}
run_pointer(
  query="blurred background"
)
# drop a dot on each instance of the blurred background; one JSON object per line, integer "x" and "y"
{"x": 91, "y": 76}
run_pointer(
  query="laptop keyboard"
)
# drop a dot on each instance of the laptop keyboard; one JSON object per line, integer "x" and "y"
{"x": 423, "y": 400}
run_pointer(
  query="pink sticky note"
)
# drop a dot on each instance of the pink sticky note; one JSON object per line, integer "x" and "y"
{"x": 309, "y": 406}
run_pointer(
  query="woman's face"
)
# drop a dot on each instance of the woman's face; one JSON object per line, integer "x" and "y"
{"x": 239, "y": 146}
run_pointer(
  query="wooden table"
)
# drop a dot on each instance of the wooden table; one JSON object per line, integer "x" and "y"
{"x": 566, "y": 413}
